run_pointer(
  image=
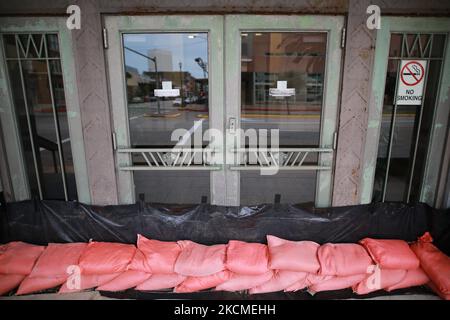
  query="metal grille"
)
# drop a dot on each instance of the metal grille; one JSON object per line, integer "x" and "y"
{"x": 211, "y": 159}
{"x": 171, "y": 159}
{"x": 282, "y": 158}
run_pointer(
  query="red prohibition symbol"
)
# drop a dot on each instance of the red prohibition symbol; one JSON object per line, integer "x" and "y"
{"x": 414, "y": 70}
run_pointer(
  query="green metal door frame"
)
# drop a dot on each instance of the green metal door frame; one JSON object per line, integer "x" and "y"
{"x": 12, "y": 140}
{"x": 332, "y": 25}
{"x": 440, "y": 118}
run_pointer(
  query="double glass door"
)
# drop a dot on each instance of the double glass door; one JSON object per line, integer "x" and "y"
{"x": 231, "y": 110}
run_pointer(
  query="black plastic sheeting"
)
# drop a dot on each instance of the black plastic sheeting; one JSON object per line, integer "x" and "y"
{"x": 280, "y": 295}
{"x": 41, "y": 222}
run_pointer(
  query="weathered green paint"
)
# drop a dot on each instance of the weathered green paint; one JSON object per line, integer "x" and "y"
{"x": 13, "y": 145}
{"x": 437, "y": 138}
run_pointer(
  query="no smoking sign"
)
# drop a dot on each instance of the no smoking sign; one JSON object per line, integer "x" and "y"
{"x": 411, "y": 80}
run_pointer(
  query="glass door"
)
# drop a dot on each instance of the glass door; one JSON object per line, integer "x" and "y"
{"x": 282, "y": 88}
{"x": 167, "y": 94}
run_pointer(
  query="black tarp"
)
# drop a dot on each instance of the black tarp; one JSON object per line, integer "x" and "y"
{"x": 41, "y": 222}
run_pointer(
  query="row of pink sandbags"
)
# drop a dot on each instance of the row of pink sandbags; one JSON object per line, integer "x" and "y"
{"x": 186, "y": 266}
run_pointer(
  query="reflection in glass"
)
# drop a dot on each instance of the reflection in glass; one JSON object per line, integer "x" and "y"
{"x": 182, "y": 59}
{"x": 299, "y": 59}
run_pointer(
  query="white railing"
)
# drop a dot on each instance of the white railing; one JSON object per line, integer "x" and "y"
{"x": 282, "y": 158}
{"x": 172, "y": 159}
{"x": 178, "y": 158}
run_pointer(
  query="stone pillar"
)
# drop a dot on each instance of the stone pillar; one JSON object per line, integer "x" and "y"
{"x": 357, "y": 74}
{"x": 93, "y": 97}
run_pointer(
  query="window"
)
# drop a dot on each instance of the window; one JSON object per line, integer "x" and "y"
{"x": 181, "y": 59}
{"x": 299, "y": 59}
{"x": 36, "y": 81}
{"x": 405, "y": 129}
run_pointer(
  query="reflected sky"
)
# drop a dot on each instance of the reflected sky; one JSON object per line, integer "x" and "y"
{"x": 180, "y": 47}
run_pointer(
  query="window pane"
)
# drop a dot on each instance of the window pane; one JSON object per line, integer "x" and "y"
{"x": 395, "y": 49}
{"x": 43, "y": 127}
{"x": 182, "y": 59}
{"x": 9, "y": 42}
{"x": 21, "y": 116}
{"x": 438, "y": 46}
{"x": 41, "y": 119}
{"x": 299, "y": 59}
{"x": 61, "y": 109}
{"x": 406, "y": 166}
{"x": 52, "y": 45}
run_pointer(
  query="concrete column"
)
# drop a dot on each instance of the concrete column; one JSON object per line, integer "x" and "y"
{"x": 93, "y": 97}
{"x": 357, "y": 73}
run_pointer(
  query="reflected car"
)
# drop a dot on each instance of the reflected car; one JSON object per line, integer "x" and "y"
{"x": 192, "y": 99}
{"x": 177, "y": 102}
{"x": 137, "y": 100}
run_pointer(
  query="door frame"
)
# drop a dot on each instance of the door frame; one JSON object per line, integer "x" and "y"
{"x": 13, "y": 145}
{"x": 332, "y": 25}
{"x": 118, "y": 25}
{"x": 440, "y": 118}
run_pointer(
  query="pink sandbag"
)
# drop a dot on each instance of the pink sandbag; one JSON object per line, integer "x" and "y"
{"x": 247, "y": 258}
{"x": 387, "y": 278}
{"x": 87, "y": 281}
{"x": 3, "y": 248}
{"x": 293, "y": 255}
{"x": 138, "y": 263}
{"x": 239, "y": 282}
{"x": 415, "y": 277}
{"x": 343, "y": 259}
{"x": 106, "y": 257}
{"x": 160, "y": 256}
{"x": 9, "y": 282}
{"x": 19, "y": 258}
{"x": 126, "y": 280}
{"x": 337, "y": 283}
{"x": 391, "y": 254}
{"x": 313, "y": 279}
{"x": 310, "y": 280}
{"x": 192, "y": 284}
{"x": 55, "y": 259}
{"x": 160, "y": 281}
{"x": 198, "y": 260}
{"x": 434, "y": 262}
{"x": 436, "y": 290}
{"x": 281, "y": 280}
{"x": 30, "y": 285}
